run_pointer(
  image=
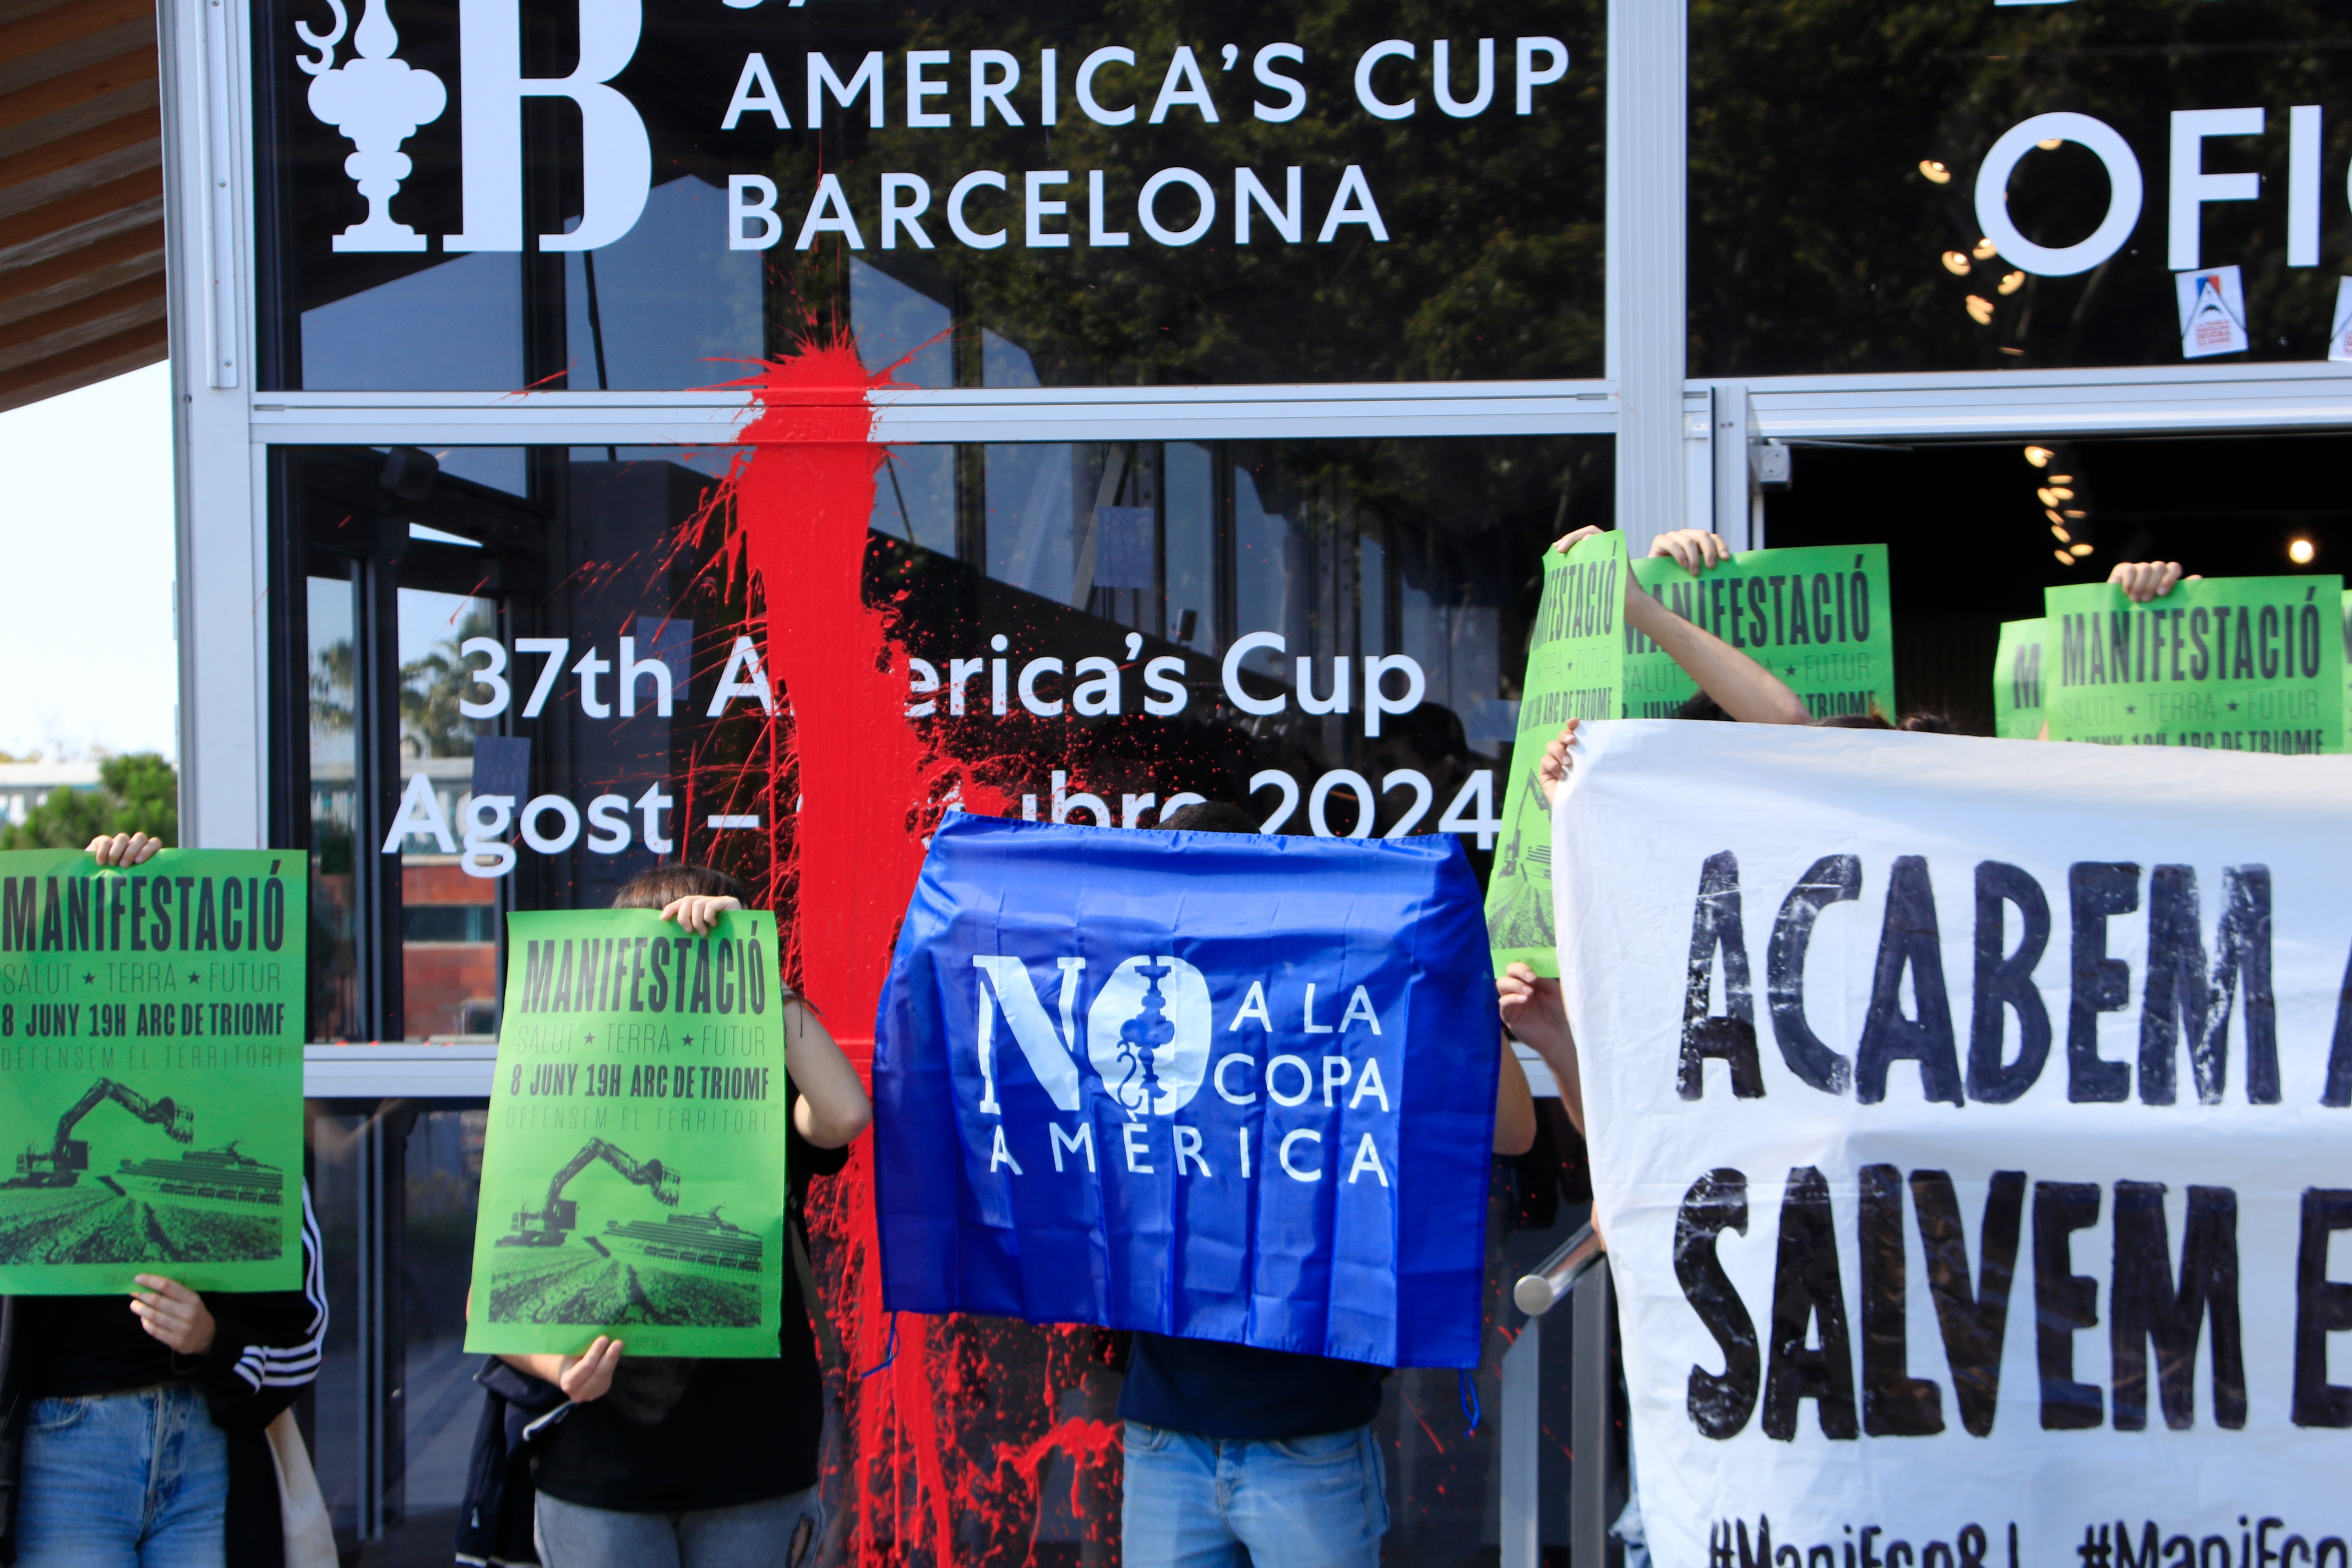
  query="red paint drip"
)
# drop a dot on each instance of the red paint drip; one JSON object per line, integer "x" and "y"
{"x": 803, "y": 498}
{"x": 971, "y": 1407}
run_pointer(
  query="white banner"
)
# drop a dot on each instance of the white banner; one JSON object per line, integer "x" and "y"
{"x": 1969, "y": 1134}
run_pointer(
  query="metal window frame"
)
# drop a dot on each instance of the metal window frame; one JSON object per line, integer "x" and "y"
{"x": 935, "y": 415}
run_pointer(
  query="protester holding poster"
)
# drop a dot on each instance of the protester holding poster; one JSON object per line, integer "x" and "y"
{"x": 136, "y": 1430}
{"x": 1575, "y": 669}
{"x": 1987, "y": 1221}
{"x": 2018, "y": 674}
{"x": 2252, "y": 664}
{"x": 1740, "y": 687}
{"x": 683, "y": 1461}
{"x": 1293, "y": 1432}
{"x": 1820, "y": 618}
{"x": 1237, "y": 1092}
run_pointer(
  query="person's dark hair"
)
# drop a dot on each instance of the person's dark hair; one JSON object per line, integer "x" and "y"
{"x": 1914, "y": 723}
{"x": 1702, "y": 706}
{"x": 664, "y": 885}
{"x": 1431, "y": 731}
{"x": 1210, "y": 816}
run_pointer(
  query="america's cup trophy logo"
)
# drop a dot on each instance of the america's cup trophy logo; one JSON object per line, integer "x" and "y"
{"x": 1148, "y": 1034}
{"x": 377, "y": 102}
{"x": 1140, "y": 1038}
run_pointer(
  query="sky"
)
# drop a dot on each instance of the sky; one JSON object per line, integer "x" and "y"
{"x": 86, "y": 511}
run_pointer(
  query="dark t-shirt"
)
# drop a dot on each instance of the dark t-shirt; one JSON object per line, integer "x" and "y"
{"x": 1211, "y": 1389}
{"x": 75, "y": 1346}
{"x": 675, "y": 1433}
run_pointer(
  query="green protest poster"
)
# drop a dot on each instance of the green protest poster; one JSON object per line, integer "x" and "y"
{"x": 2347, "y": 663}
{"x": 1817, "y": 617}
{"x": 1575, "y": 670}
{"x": 633, "y": 1178}
{"x": 2240, "y": 664}
{"x": 2017, "y": 681}
{"x": 150, "y": 1070}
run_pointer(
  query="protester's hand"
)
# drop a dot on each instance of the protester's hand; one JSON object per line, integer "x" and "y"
{"x": 583, "y": 1377}
{"x": 1552, "y": 771}
{"x": 1693, "y": 549}
{"x": 2142, "y": 581}
{"x": 697, "y": 912}
{"x": 1532, "y": 1007}
{"x": 172, "y": 1313}
{"x": 589, "y": 1377}
{"x": 1568, "y": 542}
{"x": 1534, "y": 1010}
{"x": 124, "y": 849}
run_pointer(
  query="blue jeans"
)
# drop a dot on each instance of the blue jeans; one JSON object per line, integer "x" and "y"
{"x": 765, "y": 1534}
{"x": 123, "y": 1480}
{"x": 1293, "y": 1502}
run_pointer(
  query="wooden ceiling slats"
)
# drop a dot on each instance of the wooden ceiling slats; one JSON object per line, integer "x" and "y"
{"x": 125, "y": 351}
{"x": 59, "y": 95}
{"x": 82, "y": 321}
{"x": 80, "y": 217}
{"x": 102, "y": 169}
{"x": 70, "y": 152}
{"x": 81, "y": 195}
{"x": 62, "y": 26}
{"x": 113, "y": 261}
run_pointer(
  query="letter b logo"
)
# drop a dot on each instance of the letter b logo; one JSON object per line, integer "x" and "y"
{"x": 616, "y": 157}
{"x": 378, "y": 103}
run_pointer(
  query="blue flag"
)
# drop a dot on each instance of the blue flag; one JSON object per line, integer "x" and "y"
{"x": 1223, "y": 1085}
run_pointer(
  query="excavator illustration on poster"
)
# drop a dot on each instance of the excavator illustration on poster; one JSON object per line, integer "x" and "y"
{"x": 214, "y": 1204}
{"x": 562, "y": 1214}
{"x": 69, "y": 1156}
{"x": 1518, "y": 902}
{"x": 688, "y": 1270}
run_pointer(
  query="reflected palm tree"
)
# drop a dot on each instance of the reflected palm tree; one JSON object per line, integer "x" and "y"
{"x": 431, "y": 686}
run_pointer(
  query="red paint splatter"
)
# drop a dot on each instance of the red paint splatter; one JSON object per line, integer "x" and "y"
{"x": 802, "y": 499}
{"x": 972, "y": 1407}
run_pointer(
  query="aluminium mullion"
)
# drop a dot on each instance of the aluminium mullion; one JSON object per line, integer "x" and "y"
{"x": 221, "y": 582}
{"x": 1645, "y": 319}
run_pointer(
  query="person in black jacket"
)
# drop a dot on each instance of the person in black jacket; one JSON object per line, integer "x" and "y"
{"x": 677, "y": 1462}
{"x": 134, "y": 1433}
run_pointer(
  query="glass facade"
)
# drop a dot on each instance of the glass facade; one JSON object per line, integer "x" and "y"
{"x": 390, "y": 1419}
{"x": 556, "y": 691}
{"x": 574, "y": 654}
{"x": 525, "y": 642}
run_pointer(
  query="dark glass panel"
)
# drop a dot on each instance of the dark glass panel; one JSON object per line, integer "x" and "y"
{"x": 1124, "y": 553}
{"x": 1835, "y": 149}
{"x": 1460, "y": 239}
{"x": 332, "y": 718}
{"x": 390, "y": 1419}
